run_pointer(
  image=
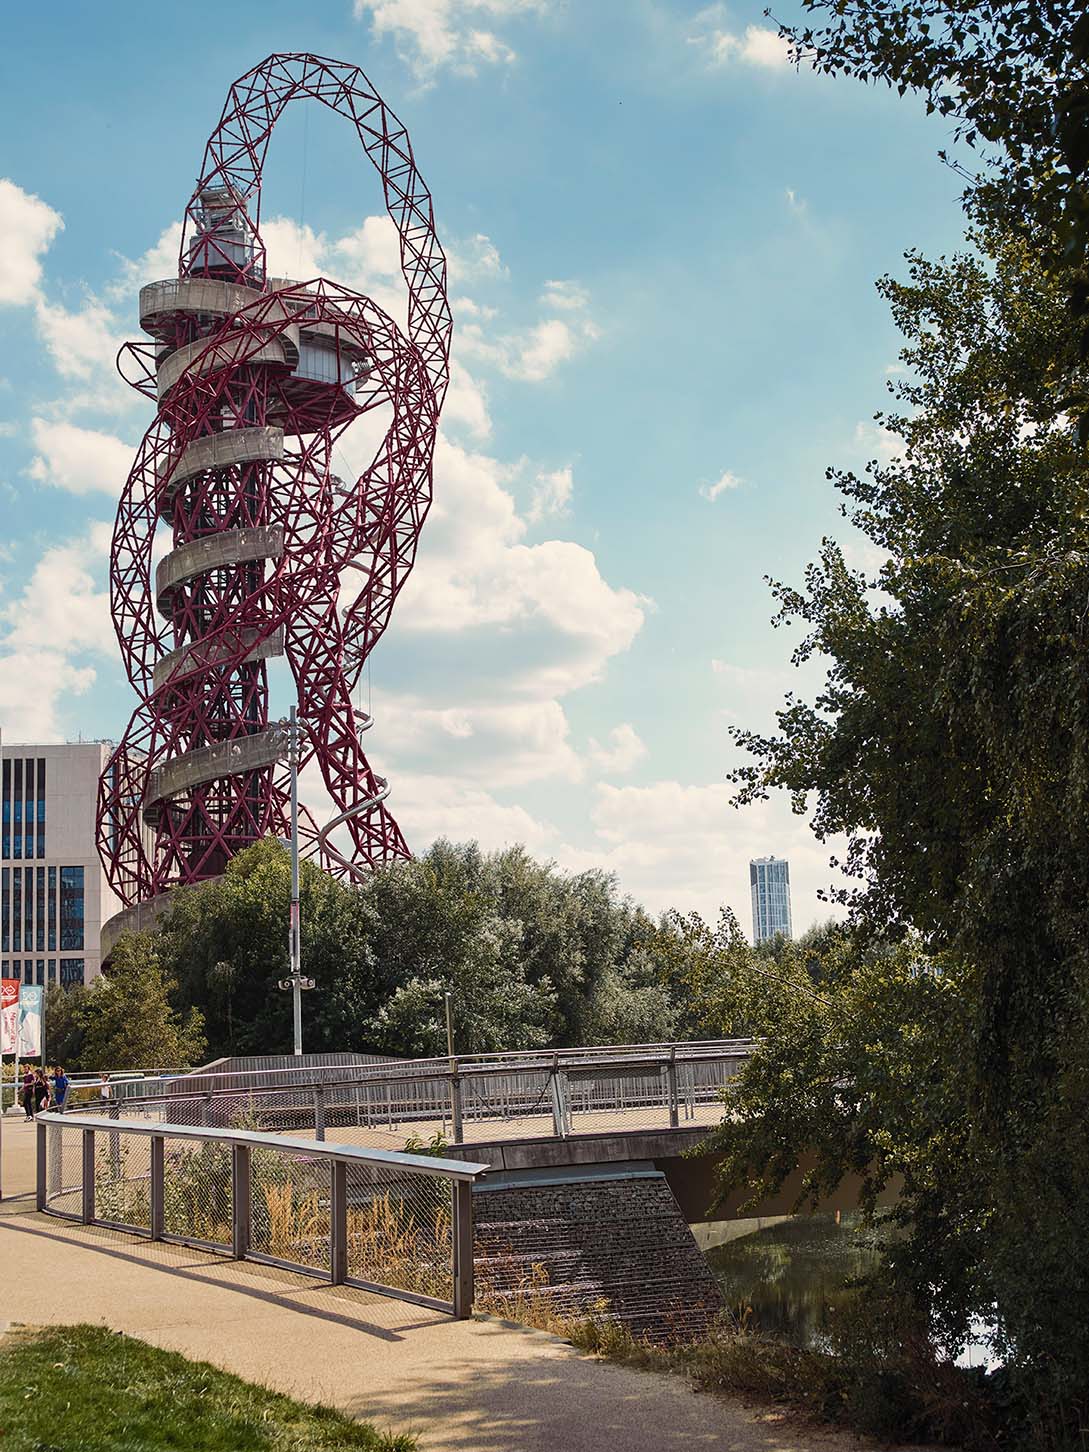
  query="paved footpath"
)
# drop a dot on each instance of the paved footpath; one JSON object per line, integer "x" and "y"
{"x": 464, "y": 1386}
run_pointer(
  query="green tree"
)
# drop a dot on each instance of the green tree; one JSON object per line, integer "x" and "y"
{"x": 951, "y": 744}
{"x": 1013, "y": 78}
{"x": 531, "y": 956}
{"x": 64, "y": 1025}
{"x": 127, "y": 1016}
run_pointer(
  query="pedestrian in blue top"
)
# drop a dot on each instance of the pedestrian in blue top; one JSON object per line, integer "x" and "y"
{"x": 60, "y": 1088}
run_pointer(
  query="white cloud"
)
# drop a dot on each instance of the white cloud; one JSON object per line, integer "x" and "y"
{"x": 478, "y": 257}
{"x": 79, "y": 460}
{"x": 552, "y": 494}
{"x": 159, "y": 262}
{"x": 876, "y": 441}
{"x": 466, "y": 402}
{"x": 533, "y": 354}
{"x": 498, "y": 745}
{"x": 541, "y": 352}
{"x": 540, "y": 617}
{"x": 759, "y": 46}
{"x": 624, "y": 749}
{"x": 749, "y": 678}
{"x": 374, "y": 250}
{"x": 27, "y": 227}
{"x": 61, "y": 616}
{"x": 726, "y": 480}
{"x": 568, "y": 295}
{"x": 432, "y": 34}
{"x": 83, "y": 345}
{"x": 682, "y": 846}
{"x": 430, "y": 806}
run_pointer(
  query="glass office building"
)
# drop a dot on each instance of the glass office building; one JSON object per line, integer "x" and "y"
{"x": 53, "y": 891}
{"x": 769, "y": 880}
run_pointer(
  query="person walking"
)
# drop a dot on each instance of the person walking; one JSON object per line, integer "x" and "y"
{"x": 28, "y": 1092}
{"x": 60, "y": 1088}
{"x": 41, "y": 1091}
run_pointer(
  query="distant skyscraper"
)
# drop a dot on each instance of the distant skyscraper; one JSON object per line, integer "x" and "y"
{"x": 769, "y": 878}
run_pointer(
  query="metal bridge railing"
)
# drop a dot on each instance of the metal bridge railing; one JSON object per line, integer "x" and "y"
{"x": 399, "y": 1224}
{"x": 459, "y": 1100}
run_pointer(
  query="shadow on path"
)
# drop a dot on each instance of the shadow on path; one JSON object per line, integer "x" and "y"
{"x": 201, "y": 1271}
{"x": 561, "y": 1401}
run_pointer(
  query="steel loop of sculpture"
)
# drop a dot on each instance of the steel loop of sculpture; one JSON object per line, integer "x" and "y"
{"x": 255, "y": 380}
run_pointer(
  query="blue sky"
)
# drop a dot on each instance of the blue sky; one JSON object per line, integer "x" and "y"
{"x": 663, "y": 244}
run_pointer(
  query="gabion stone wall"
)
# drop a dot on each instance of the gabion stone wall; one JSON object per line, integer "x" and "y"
{"x": 615, "y": 1249}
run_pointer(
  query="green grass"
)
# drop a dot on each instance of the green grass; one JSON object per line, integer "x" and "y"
{"x": 86, "y": 1389}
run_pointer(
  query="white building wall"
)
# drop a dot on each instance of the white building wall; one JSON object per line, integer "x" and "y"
{"x": 71, "y": 793}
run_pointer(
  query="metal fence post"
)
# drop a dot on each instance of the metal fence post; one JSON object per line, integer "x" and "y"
{"x": 456, "y": 1127}
{"x": 338, "y": 1222}
{"x": 561, "y": 1119}
{"x": 157, "y": 1187}
{"x": 88, "y": 1176}
{"x": 206, "y": 1111}
{"x": 241, "y": 1200}
{"x": 43, "y": 1163}
{"x": 463, "y": 1249}
{"x": 671, "y": 1080}
{"x": 319, "y": 1112}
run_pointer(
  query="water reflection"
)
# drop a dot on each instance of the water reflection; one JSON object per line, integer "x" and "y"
{"x": 790, "y": 1279}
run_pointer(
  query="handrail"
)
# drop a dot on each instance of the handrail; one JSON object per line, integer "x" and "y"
{"x": 416, "y": 1070}
{"x": 149, "y": 1214}
{"x": 445, "y": 1071}
{"x": 434, "y": 1165}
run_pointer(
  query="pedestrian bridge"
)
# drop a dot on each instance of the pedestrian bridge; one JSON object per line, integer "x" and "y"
{"x": 462, "y": 1101}
{"x": 423, "y": 1178}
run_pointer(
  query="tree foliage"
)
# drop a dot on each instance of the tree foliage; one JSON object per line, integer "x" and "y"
{"x": 1013, "y": 77}
{"x": 127, "y": 1020}
{"x": 951, "y": 744}
{"x": 531, "y": 956}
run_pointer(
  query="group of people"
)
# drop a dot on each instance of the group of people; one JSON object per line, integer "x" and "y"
{"x": 44, "y": 1091}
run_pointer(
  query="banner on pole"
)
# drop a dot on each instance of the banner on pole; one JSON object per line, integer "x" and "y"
{"x": 9, "y": 1013}
{"x": 30, "y": 1021}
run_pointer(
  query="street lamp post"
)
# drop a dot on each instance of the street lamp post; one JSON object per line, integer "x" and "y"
{"x": 295, "y": 982}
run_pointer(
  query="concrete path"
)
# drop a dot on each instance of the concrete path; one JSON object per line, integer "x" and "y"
{"x": 468, "y": 1386}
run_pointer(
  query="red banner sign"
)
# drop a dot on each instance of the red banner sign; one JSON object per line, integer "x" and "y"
{"x": 9, "y": 1013}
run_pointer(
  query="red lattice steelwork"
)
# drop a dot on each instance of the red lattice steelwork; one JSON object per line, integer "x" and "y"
{"x": 255, "y": 380}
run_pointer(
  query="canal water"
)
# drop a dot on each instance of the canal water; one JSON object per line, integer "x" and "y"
{"x": 788, "y": 1280}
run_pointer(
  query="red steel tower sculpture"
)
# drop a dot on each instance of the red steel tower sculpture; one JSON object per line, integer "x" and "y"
{"x": 255, "y": 379}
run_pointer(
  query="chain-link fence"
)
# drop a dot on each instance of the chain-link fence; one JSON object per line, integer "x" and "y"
{"x": 63, "y": 1170}
{"x": 397, "y": 1223}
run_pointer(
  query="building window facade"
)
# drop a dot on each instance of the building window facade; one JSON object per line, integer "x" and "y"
{"x": 769, "y": 880}
{"x": 16, "y": 909}
{"x": 71, "y": 907}
{"x": 71, "y": 971}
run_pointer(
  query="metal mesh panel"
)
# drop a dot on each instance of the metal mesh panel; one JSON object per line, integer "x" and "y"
{"x": 289, "y": 1207}
{"x": 699, "y": 1088}
{"x": 197, "y": 1196}
{"x": 518, "y": 1105}
{"x": 64, "y": 1169}
{"x": 611, "y": 1099}
{"x": 400, "y": 1231}
{"x": 123, "y": 1179}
